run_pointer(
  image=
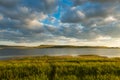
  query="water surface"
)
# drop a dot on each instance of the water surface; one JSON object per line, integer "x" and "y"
{"x": 12, "y": 52}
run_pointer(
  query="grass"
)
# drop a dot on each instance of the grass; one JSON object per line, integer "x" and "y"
{"x": 90, "y": 67}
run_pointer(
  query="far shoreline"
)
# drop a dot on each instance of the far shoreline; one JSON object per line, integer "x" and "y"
{"x": 56, "y": 46}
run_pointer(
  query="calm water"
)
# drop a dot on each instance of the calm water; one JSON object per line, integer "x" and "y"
{"x": 8, "y": 53}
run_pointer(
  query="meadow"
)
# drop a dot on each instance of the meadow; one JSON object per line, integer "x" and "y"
{"x": 85, "y": 67}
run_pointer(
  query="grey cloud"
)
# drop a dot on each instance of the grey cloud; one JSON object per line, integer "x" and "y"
{"x": 73, "y": 30}
{"x": 95, "y": 13}
{"x": 80, "y": 2}
{"x": 77, "y": 14}
{"x": 111, "y": 29}
{"x": 8, "y": 3}
{"x": 73, "y": 16}
{"x": 47, "y": 6}
{"x": 27, "y": 10}
{"x": 21, "y": 16}
{"x": 67, "y": 30}
{"x": 25, "y": 36}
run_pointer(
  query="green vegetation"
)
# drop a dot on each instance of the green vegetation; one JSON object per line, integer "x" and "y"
{"x": 90, "y": 67}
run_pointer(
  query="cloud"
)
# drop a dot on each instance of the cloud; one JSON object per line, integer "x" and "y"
{"x": 44, "y": 21}
{"x": 46, "y": 6}
{"x": 73, "y": 16}
{"x": 88, "y": 11}
{"x": 21, "y": 20}
{"x": 1, "y": 17}
{"x": 111, "y": 30}
{"x": 8, "y": 3}
{"x": 100, "y": 18}
{"x": 80, "y": 2}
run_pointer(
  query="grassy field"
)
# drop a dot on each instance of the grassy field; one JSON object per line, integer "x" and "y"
{"x": 88, "y": 67}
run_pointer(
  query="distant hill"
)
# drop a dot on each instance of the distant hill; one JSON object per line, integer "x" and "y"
{"x": 71, "y": 46}
{"x": 56, "y": 46}
{"x": 8, "y": 46}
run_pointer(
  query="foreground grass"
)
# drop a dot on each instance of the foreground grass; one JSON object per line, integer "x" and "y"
{"x": 61, "y": 68}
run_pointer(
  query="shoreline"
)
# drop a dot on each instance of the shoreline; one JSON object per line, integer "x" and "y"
{"x": 62, "y": 56}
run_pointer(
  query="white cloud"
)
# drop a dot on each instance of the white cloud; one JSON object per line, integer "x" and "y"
{"x": 110, "y": 19}
{"x": 34, "y": 24}
{"x": 103, "y": 38}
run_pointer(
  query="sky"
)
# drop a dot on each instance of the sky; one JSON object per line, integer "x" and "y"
{"x": 60, "y": 22}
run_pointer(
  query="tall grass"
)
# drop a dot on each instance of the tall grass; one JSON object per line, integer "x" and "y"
{"x": 61, "y": 68}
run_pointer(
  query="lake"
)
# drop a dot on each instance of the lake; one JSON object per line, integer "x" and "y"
{"x": 13, "y": 52}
